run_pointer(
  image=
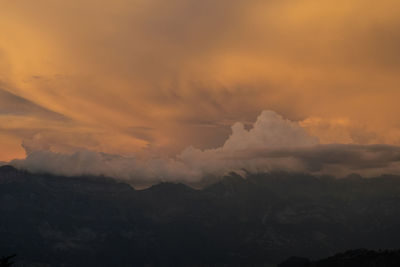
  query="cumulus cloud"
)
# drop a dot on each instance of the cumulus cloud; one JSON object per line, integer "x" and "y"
{"x": 269, "y": 131}
{"x": 272, "y": 144}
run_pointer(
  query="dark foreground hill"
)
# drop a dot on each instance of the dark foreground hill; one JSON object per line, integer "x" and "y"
{"x": 260, "y": 221}
{"x": 352, "y": 258}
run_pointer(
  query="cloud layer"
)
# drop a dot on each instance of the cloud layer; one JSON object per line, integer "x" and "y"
{"x": 272, "y": 144}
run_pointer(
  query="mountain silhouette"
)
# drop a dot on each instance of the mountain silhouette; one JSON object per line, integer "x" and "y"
{"x": 257, "y": 221}
{"x": 352, "y": 258}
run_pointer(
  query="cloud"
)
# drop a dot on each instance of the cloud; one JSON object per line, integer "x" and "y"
{"x": 181, "y": 66}
{"x": 269, "y": 131}
{"x": 272, "y": 144}
{"x": 337, "y": 159}
{"x": 135, "y": 171}
{"x": 11, "y": 104}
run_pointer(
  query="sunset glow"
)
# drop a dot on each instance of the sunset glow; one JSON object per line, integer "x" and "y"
{"x": 151, "y": 78}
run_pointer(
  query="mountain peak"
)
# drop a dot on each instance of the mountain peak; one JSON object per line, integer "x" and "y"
{"x": 177, "y": 187}
{"x": 7, "y": 168}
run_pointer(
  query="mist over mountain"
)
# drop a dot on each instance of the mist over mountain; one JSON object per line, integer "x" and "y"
{"x": 261, "y": 220}
{"x": 272, "y": 144}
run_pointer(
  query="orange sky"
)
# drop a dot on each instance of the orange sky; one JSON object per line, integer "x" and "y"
{"x": 151, "y": 77}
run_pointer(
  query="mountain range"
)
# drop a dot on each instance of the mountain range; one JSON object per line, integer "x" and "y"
{"x": 258, "y": 220}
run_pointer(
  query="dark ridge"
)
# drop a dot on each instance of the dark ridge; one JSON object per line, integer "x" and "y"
{"x": 88, "y": 183}
{"x": 352, "y": 258}
{"x": 172, "y": 187}
{"x": 259, "y": 220}
{"x": 7, "y": 169}
{"x": 295, "y": 262}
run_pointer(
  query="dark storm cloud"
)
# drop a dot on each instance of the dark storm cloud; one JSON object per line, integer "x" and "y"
{"x": 349, "y": 156}
{"x": 11, "y": 104}
{"x": 143, "y": 133}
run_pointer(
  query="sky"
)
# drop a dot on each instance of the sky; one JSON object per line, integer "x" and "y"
{"x": 153, "y": 79}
